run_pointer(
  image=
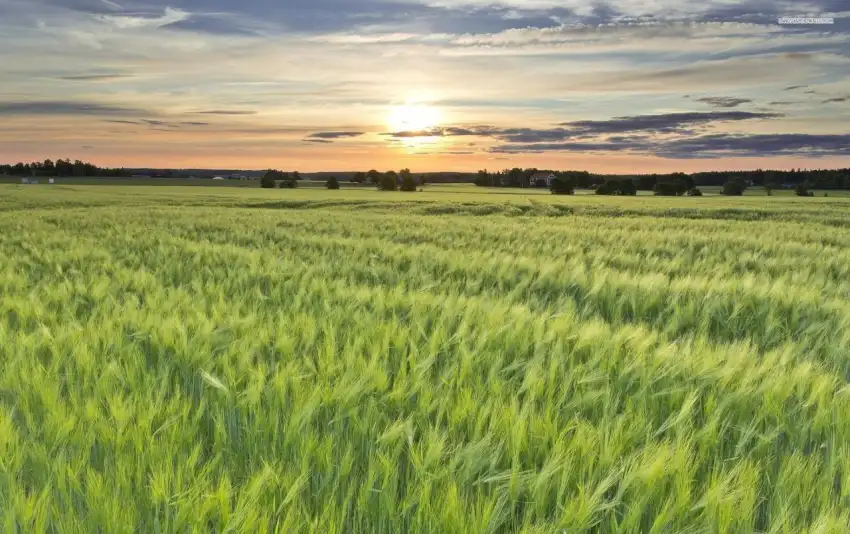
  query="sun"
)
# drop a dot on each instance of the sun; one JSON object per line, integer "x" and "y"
{"x": 413, "y": 117}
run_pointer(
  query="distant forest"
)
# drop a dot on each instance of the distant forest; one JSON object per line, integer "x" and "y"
{"x": 812, "y": 178}
{"x": 816, "y": 179}
{"x": 60, "y": 168}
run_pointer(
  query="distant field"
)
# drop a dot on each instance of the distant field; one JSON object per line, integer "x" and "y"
{"x": 189, "y": 359}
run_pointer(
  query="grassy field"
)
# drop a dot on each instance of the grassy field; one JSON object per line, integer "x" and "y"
{"x": 460, "y": 360}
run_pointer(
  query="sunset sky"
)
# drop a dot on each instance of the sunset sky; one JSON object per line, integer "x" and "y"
{"x": 617, "y": 86}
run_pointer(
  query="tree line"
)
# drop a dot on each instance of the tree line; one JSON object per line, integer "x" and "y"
{"x": 670, "y": 183}
{"x": 61, "y": 167}
{"x": 390, "y": 180}
{"x": 273, "y": 177}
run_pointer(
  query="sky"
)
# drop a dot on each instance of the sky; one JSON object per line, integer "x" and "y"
{"x": 432, "y": 85}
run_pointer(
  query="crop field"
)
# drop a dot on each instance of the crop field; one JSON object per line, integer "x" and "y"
{"x": 244, "y": 360}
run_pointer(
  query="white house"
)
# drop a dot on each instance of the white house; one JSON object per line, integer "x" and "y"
{"x": 542, "y": 178}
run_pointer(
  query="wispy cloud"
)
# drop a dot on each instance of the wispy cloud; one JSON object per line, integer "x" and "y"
{"x": 334, "y": 135}
{"x": 225, "y": 112}
{"x": 132, "y": 21}
{"x": 64, "y": 107}
{"x": 109, "y": 77}
{"x": 704, "y": 147}
{"x": 724, "y": 101}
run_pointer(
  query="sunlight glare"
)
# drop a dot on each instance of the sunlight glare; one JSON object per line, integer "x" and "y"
{"x": 413, "y": 117}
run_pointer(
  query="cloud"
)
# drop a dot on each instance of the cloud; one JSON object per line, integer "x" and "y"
{"x": 759, "y": 145}
{"x": 837, "y": 99}
{"x": 133, "y": 21}
{"x": 668, "y": 123}
{"x": 334, "y": 135}
{"x": 318, "y": 141}
{"x": 711, "y": 146}
{"x": 95, "y": 77}
{"x": 792, "y": 87}
{"x": 193, "y": 123}
{"x": 664, "y": 123}
{"x": 225, "y": 112}
{"x": 64, "y": 107}
{"x": 158, "y": 123}
{"x": 781, "y": 103}
{"x": 724, "y": 101}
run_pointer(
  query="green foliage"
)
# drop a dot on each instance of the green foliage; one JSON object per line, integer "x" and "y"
{"x": 374, "y": 176}
{"x": 802, "y": 190}
{"x": 675, "y": 188}
{"x": 694, "y": 192}
{"x": 407, "y": 183}
{"x": 332, "y": 183}
{"x": 562, "y": 185}
{"x": 268, "y": 181}
{"x": 733, "y": 188}
{"x": 389, "y": 181}
{"x": 617, "y": 187}
{"x": 172, "y": 361}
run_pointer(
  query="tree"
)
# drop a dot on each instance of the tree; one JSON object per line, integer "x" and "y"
{"x": 389, "y": 182}
{"x": 733, "y": 188}
{"x": 562, "y": 185}
{"x": 802, "y": 190}
{"x": 647, "y": 182}
{"x": 422, "y": 180}
{"x": 268, "y": 179}
{"x": 407, "y": 183}
{"x": 359, "y": 178}
{"x": 627, "y": 187}
{"x": 332, "y": 183}
{"x": 374, "y": 176}
{"x": 665, "y": 189}
{"x": 288, "y": 182}
{"x": 296, "y": 175}
{"x": 694, "y": 192}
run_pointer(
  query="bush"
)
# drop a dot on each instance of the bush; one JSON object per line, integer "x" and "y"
{"x": 407, "y": 183}
{"x": 388, "y": 183}
{"x": 333, "y": 183}
{"x": 802, "y": 191}
{"x": 605, "y": 189}
{"x": 562, "y": 186}
{"x": 694, "y": 192}
{"x": 733, "y": 188}
{"x": 676, "y": 188}
{"x": 268, "y": 180}
{"x": 614, "y": 187}
{"x": 288, "y": 183}
{"x": 628, "y": 188}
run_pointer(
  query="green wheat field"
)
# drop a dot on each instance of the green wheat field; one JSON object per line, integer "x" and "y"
{"x": 185, "y": 359}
